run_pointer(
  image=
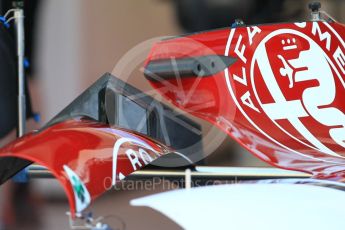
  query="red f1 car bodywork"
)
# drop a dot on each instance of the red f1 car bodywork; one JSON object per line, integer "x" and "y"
{"x": 276, "y": 89}
{"x": 280, "y": 94}
{"x": 92, "y": 144}
{"x": 87, "y": 157}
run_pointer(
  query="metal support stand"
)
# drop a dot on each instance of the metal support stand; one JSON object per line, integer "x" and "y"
{"x": 18, "y": 17}
{"x": 19, "y": 24}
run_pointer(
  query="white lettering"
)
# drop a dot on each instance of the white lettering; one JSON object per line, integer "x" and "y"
{"x": 240, "y": 53}
{"x": 301, "y": 24}
{"x": 322, "y": 36}
{"x": 251, "y": 33}
{"x": 131, "y": 154}
{"x": 133, "y": 157}
{"x": 145, "y": 156}
{"x": 339, "y": 59}
{"x": 243, "y": 79}
{"x": 246, "y": 100}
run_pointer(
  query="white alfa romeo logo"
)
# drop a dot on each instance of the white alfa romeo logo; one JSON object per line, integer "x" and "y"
{"x": 293, "y": 76}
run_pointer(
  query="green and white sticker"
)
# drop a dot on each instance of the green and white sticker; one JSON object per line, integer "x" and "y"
{"x": 81, "y": 194}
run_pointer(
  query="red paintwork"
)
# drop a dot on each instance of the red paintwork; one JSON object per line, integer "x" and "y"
{"x": 86, "y": 147}
{"x": 210, "y": 97}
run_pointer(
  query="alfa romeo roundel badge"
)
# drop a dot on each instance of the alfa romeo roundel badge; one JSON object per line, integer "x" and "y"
{"x": 288, "y": 82}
